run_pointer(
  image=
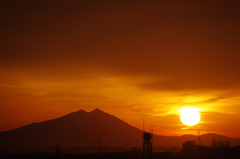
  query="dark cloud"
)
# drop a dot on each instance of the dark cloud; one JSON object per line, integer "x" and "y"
{"x": 193, "y": 44}
{"x": 114, "y": 32}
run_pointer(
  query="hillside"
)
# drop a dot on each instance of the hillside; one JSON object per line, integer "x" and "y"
{"x": 86, "y": 129}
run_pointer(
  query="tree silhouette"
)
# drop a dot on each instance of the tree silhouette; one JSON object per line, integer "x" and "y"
{"x": 220, "y": 143}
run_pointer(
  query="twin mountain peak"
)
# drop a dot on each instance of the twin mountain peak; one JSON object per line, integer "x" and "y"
{"x": 86, "y": 129}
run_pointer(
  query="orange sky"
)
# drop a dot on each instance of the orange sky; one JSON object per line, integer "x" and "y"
{"x": 127, "y": 58}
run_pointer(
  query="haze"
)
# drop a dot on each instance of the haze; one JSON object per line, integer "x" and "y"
{"x": 130, "y": 59}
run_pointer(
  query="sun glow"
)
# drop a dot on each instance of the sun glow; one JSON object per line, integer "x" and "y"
{"x": 189, "y": 116}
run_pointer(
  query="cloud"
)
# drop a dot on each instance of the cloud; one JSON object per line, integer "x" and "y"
{"x": 219, "y": 122}
{"x": 148, "y": 57}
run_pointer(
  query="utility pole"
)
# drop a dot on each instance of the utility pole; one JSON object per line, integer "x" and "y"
{"x": 152, "y": 131}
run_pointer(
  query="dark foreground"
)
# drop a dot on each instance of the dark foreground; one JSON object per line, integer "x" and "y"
{"x": 111, "y": 155}
{"x": 207, "y": 153}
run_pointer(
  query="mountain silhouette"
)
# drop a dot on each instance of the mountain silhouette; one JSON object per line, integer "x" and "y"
{"x": 89, "y": 129}
{"x": 75, "y": 129}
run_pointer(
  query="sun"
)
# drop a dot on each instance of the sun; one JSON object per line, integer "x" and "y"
{"x": 190, "y": 116}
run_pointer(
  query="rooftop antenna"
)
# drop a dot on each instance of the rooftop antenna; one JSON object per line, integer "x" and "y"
{"x": 143, "y": 125}
{"x": 151, "y": 128}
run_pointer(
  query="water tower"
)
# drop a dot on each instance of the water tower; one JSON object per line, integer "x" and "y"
{"x": 147, "y": 145}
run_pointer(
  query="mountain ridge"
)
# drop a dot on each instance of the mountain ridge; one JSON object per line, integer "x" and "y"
{"x": 83, "y": 128}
